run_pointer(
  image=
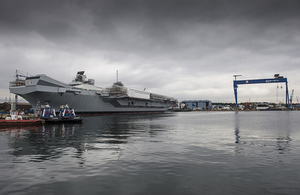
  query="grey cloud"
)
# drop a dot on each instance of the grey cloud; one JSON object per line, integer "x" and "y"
{"x": 163, "y": 41}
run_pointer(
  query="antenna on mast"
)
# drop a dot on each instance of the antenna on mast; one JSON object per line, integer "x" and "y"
{"x": 236, "y": 75}
{"x": 117, "y": 76}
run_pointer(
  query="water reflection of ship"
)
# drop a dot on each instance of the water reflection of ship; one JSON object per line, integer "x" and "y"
{"x": 98, "y": 134}
{"x": 17, "y": 132}
{"x": 38, "y": 140}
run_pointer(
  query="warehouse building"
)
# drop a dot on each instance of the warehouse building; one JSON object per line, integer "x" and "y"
{"x": 197, "y": 104}
{"x": 22, "y": 106}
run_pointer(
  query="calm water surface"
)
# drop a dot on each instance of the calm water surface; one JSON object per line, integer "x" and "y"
{"x": 176, "y": 153}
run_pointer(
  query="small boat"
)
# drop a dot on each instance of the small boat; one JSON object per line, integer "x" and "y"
{"x": 14, "y": 119}
{"x": 68, "y": 114}
{"x": 48, "y": 114}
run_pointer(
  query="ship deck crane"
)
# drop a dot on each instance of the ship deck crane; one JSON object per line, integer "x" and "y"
{"x": 277, "y": 79}
{"x": 18, "y": 75}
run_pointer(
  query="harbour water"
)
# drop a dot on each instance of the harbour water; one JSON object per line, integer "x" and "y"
{"x": 173, "y": 153}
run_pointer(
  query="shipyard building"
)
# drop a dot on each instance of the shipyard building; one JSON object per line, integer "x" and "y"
{"x": 197, "y": 104}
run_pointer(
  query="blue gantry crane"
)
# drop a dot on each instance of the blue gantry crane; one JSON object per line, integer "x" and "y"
{"x": 277, "y": 79}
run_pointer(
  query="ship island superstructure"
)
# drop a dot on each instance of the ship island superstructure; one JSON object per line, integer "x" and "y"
{"x": 86, "y": 98}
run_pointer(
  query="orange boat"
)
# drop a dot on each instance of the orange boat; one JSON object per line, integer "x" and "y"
{"x": 14, "y": 118}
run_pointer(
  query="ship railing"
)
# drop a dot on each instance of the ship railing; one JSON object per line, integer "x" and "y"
{"x": 117, "y": 94}
{"x": 17, "y": 83}
{"x": 115, "y": 91}
{"x": 161, "y": 97}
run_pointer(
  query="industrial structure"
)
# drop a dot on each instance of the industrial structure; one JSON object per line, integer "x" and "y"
{"x": 197, "y": 104}
{"x": 277, "y": 79}
{"x": 21, "y": 106}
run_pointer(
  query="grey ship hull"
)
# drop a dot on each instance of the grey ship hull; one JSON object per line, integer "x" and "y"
{"x": 43, "y": 89}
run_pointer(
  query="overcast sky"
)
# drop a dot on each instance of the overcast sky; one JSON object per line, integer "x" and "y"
{"x": 187, "y": 49}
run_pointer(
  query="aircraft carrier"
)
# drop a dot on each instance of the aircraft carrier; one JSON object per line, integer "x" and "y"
{"x": 86, "y": 98}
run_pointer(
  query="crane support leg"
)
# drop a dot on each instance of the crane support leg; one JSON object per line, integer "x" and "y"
{"x": 235, "y": 96}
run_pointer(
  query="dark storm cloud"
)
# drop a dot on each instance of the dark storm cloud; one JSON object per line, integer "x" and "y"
{"x": 192, "y": 29}
{"x": 154, "y": 20}
{"x": 157, "y": 24}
